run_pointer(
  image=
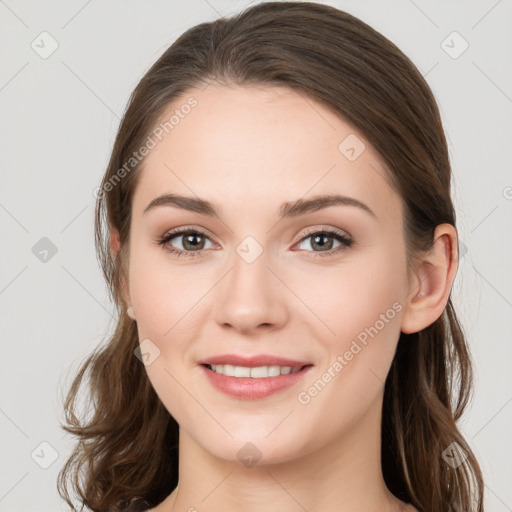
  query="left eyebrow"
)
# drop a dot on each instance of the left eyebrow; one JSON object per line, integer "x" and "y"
{"x": 287, "y": 209}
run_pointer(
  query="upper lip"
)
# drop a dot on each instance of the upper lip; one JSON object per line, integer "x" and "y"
{"x": 253, "y": 361}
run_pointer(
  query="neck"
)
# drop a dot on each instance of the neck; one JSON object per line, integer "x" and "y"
{"x": 343, "y": 475}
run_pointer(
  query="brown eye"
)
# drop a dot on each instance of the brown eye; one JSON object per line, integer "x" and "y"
{"x": 322, "y": 242}
{"x": 190, "y": 242}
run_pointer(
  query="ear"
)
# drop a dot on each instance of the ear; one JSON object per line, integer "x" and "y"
{"x": 115, "y": 248}
{"x": 115, "y": 242}
{"x": 432, "y": 281}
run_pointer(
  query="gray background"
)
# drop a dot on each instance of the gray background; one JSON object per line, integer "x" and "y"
{"x": 59, "y": 115}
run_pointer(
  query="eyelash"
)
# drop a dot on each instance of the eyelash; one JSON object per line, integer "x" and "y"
{"x": 338, "y": 235}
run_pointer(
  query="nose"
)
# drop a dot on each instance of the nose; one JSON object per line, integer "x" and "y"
{"x": 251, "y": 296}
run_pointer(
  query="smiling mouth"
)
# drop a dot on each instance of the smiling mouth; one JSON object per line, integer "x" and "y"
{"x": 258, "y": 372}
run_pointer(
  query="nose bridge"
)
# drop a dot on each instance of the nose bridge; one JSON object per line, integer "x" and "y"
{"x": 250, "y": 295}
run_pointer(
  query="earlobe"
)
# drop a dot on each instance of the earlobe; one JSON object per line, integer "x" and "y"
{"x": 432, "y": 283}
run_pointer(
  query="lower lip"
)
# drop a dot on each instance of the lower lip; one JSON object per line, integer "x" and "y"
{"x": 251, "y": 389}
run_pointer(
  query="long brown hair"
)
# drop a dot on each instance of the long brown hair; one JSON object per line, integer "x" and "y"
{"x": 127, "y": 447}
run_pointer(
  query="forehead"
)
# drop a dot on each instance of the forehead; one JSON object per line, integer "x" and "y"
{"x": 261, "y": 144}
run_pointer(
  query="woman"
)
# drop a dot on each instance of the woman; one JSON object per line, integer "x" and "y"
{"x": 277, "y": 232}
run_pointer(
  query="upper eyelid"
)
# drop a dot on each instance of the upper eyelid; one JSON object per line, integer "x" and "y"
{"x": 187, "y": 229}
{"x": 334, "y": 231}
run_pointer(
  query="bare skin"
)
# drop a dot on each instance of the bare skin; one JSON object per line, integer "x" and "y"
{"x": 248, "y": 150}
{"x": 169, "y": 504}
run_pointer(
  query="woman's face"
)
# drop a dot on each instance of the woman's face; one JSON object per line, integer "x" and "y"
{"x": 261, "y": 279}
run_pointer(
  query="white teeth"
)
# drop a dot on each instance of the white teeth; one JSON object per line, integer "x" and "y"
{"x": 259, "y": 372}
{"x": 242, "y": 371}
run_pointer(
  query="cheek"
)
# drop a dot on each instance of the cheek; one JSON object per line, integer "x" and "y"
{"x": 362, "y": 311}
{"x": 358, "y": 293}
{"x": 369, "y": 321}
{"x": 163, "y": 298}
{"x": 165, "y": 295}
